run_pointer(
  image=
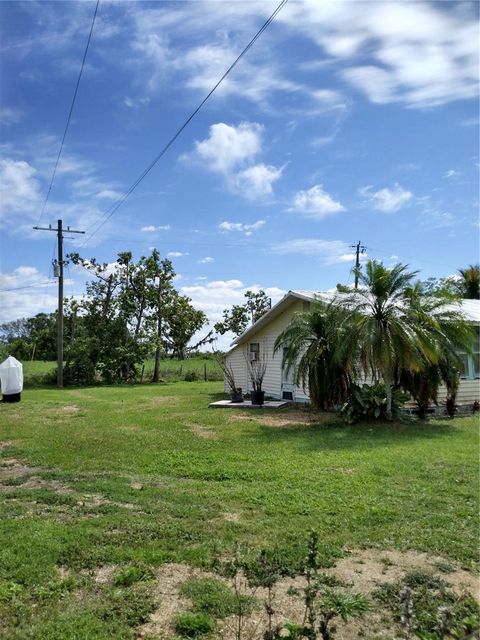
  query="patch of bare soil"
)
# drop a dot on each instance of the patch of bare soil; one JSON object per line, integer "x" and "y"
{"x": 362, "y": 571}
{"x": 369, "y": 567}
{"x": 71, "y": 408}
{"x": 92, "y": 500}
{"x": 6, "y": 444}
{"x": 289, "y": 419}
{"x": 11, "y": 469}
{"x": 26, "y": 477}
{"x": 102, "y": 575}
{"x": 170, "y": 577}
{"x": 157, "y": 401}
{"x": 201, "y": 432}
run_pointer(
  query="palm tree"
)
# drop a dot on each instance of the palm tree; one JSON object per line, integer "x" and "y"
{"x": 388, "y": 338}
{"x": 446, "y": 332}
{"x": 469, "y": 284}
{"x": 321, "y": 347}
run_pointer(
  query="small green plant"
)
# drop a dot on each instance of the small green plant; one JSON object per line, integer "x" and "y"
{"x": 194, "y": 625}
{"x": 427, "y": 610}
{"x": 421, "y": 579}
{"x": 369, "y": 402}
{"x": 132, "y": 574}
{"x": 190, "y": 376}
{"x": 213, "y": 597}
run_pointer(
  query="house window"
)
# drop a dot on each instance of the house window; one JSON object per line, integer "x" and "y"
{"x": 470, "y": 367}
{"x": 476, "y": 355}
{"x": 254, "y": 350}
{"x": 306, "y": 305}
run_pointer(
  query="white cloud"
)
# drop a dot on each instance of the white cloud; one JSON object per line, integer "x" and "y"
{"x": 240, "y": 226}
{"x": 420, "y": 54}
{"x": 315, "y": 203}
{"x": 176, "y": 254}
{"x": 386, "y": 200}
{"x": 19, "y": 191}
{"x": 152, "y": 228}
{"x": 37, "y": 294}
{"x": 230, "y": 151}
{"x": 9, "y": 116}
{"x": 215, "y": 296}
{"x": 256, "y": 182}
{"x": 109, "y": 194}
{"x": 327, "y": 251}
{"x": 206, "y": 260}
{"x": 451, "y": 173}
{"x": 229, "y": 146}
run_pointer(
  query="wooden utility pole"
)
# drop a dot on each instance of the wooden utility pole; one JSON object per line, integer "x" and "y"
{"x": 358, "y": 250}
{"x": 59, "y": 232}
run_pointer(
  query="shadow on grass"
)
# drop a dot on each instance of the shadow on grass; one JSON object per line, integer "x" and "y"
{"x": 339, "y": 436}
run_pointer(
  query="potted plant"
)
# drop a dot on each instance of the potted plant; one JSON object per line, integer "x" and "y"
{"x": 256, "y": 371}
{"x": 236, "y": 394}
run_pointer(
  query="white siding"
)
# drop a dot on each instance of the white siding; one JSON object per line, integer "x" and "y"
{"x": 236, "y": 360}
{"x": 468, "y": 392}
{"x": 272, "y": 382}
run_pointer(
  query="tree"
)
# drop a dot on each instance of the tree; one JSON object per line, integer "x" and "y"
{"x": 238, "y": 317}
{"x": 32, "y": 337}
{"x": 182, "y": 321}
{"x": 469, "y": 283}
{"x": 322, "y": 347}
{"x": 400, "y": 330}
{"x": 447, "y": 332}
{"x": 387, "y": 337}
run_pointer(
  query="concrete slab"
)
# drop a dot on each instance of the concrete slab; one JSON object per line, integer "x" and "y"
{"x": 268, "y": 404}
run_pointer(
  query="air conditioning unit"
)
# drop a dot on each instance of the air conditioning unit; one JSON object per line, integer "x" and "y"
{"x": 253, "y": 356}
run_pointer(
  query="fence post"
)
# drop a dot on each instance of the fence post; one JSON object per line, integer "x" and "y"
{"x": 205, "y": 371}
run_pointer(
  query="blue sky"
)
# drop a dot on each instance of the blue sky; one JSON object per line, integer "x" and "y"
{"x": 346, "y": 121}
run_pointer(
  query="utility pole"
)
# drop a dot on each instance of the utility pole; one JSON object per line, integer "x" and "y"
{"x": 358, "y": 250}
{"x": 59, "y": 232}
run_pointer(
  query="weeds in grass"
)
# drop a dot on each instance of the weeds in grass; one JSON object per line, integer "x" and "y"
{"x": 135, "y": 573}
{"x": 427, "y": 609}
{"x": 193, "y": 625}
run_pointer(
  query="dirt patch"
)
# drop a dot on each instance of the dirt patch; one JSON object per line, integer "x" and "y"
{"x": 92, "y": 500}
{"x": 370, "y": 567}
{"x": 157, "y": 401}
{"x": 230, "y": 516}
{"x": 170, "y": 577}
{"x": 289, "y": 419}
{"x": 102, "y": 575}
{"x": 11, "y": 469}
{"x": 6, "y": 444}
{"x": 362, "y": 571}
{"x": 71, "y": 408}
{"x": 201, "y": 432}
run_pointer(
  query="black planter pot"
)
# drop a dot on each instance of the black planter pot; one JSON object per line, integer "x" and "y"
{"x": 12, "y": 397}
{"x": 236, "y": 396}
{"x": 258, "y": 397}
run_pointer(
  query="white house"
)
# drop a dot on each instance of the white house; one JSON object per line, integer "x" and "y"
{"x": 261, "y": 336}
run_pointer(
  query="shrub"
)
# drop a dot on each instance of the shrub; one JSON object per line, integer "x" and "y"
{"x": 369, "y": 402}
{"x": 194, "y": 625}
{"x": 191, "y": 376}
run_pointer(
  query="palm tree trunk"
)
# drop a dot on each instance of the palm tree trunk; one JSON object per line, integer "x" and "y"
{"x": 387, "y": 379}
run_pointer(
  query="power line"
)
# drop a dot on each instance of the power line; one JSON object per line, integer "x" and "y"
{"x": 69, "y": 113}
{"x": 116, "y": 205}
{"x": 28, "y": 286}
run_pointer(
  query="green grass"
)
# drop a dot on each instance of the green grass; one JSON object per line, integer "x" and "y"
{"x": 41, "y": 373}
{"x": 137, "y": 476}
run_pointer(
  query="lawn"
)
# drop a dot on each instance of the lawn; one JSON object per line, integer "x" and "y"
{"x": 146, "y": 475}
{"x": 40, "y": 372}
